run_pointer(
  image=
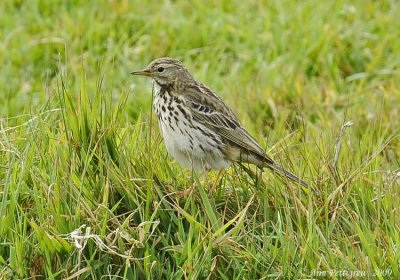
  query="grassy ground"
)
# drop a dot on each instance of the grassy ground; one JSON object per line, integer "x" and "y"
{"x": 87, "y": 190}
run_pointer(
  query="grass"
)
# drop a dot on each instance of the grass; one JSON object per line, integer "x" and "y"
{"x": 87, "y": 190}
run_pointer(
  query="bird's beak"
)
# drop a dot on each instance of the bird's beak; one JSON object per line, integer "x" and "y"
{"x": 144, "y": 72}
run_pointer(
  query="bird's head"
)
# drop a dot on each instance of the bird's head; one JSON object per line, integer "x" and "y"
{"x": 166, "y": 71}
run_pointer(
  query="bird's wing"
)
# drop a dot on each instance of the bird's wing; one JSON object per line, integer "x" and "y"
{"x": 209, "y": 109}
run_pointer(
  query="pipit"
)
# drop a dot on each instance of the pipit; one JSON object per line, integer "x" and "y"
{"x": 200, "y": 131}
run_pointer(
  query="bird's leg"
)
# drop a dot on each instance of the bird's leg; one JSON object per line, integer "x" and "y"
{"x": 202, "y": 179}
{"x": 204, "y": 174}
{"x": 214, "y": 185}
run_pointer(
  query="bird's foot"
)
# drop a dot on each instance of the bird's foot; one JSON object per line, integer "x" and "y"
{"x": 185, "y": 193}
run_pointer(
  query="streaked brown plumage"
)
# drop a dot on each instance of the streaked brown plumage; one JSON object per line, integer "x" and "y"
{"x": 200, "y": 131}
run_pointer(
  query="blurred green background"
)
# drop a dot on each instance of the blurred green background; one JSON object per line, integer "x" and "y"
{"x": 308, "y": 52}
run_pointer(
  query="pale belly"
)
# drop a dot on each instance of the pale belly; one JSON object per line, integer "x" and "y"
{"x": 190, "y": 144}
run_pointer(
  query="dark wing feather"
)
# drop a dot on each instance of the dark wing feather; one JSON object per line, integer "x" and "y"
{"x": 209, "y": 109}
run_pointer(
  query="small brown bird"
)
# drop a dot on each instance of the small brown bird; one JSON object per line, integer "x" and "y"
{"x": 200, "y": 131}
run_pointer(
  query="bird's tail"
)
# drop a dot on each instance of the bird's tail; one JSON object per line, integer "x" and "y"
{"x": 284, "y": 173}
{"x": 262, "y": 161}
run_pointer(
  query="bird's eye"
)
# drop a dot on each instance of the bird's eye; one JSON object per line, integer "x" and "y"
{"x": 160, "y": 69}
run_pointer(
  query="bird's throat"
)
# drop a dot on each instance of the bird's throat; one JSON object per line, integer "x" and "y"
{"x": 166, "y": 87}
